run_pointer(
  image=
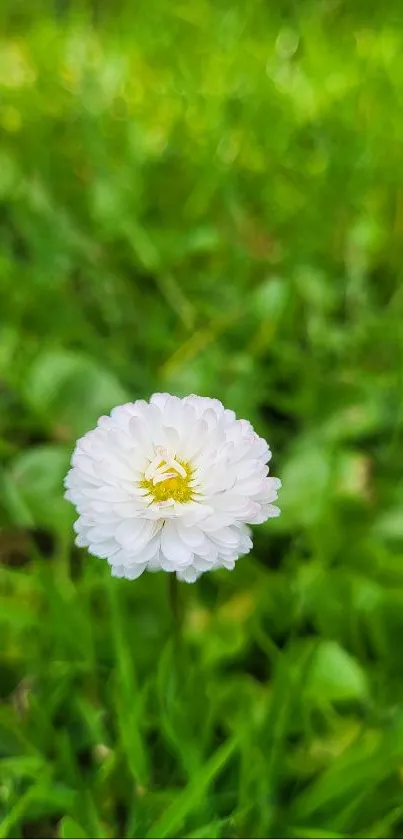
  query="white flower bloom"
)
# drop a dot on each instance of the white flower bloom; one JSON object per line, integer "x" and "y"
{"x": 170, "y": 484}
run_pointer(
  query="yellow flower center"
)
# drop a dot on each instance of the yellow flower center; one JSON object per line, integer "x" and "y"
{"x": 167, "y": 478}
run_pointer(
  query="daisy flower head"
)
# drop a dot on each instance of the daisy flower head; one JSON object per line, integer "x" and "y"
{"x": 170, "y": 484}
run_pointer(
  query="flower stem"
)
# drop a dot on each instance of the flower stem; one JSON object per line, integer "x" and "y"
{"x": 176, "y": 607}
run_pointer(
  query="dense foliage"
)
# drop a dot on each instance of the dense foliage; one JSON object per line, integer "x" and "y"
{"x": 204, "y": 197}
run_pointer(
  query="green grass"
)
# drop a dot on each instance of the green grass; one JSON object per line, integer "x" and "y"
{"x": 204, "y": 197}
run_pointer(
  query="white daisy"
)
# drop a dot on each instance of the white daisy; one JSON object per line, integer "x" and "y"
{"x": 170, "y": 484}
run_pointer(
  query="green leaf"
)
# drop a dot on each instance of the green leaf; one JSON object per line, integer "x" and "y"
{"x": 70, "y": 391}
{"x": 36, "y": 476}
{"x": 306, "y": 483}
{"x": 335, "y": 675}
{"x": 70, "y": 829}
{"x": 390, "y": 525}
{"x": 174, "y": 817}
{"x": 314, "y": 833}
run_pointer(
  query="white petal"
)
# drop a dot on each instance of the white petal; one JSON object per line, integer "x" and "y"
{"x": 191, "y": 536}
{"x": 104, "y": 550}
{"x": 160, "y": 399}
{"x": 273, "y": 511}
{"x": 131, "y": 572}
{"x": 172, "y": 546}
{"x": 229, "y": 564}
{"x": 169, "y": 438}
{"x": 166, "y": 564}
{"x": 225, "y": 537}
{"x": 194, "y": 513}
{"x": 269, "y": 490}
{"x": 209, "y": 551}
{"x": 117, "y": 570}
{"x": 202, "y": 564}
{"x": 101, "y": 532}
{"x": 188, "y": 575}
{"x": 107, "y": 493}
{"x": 249, "y": 486}
{"x": 113, "y": 470}
{"x": 129, "y": 530}
{"x": 216, "y": 521}
{"x": 153, "y": 418}
{"x": 141, "y": 435}
{"x": 259, "y": 514}
{"x": 154, "y": 564}
{"x": 129, "y": 509}
{"x": 227, "y": 502}
{"x": 220, "y": 482}
{"x": 147, "y": 552}
{"x": 194, "y": 441}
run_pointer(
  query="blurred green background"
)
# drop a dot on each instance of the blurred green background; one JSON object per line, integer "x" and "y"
{"x": 204, "y": 197}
